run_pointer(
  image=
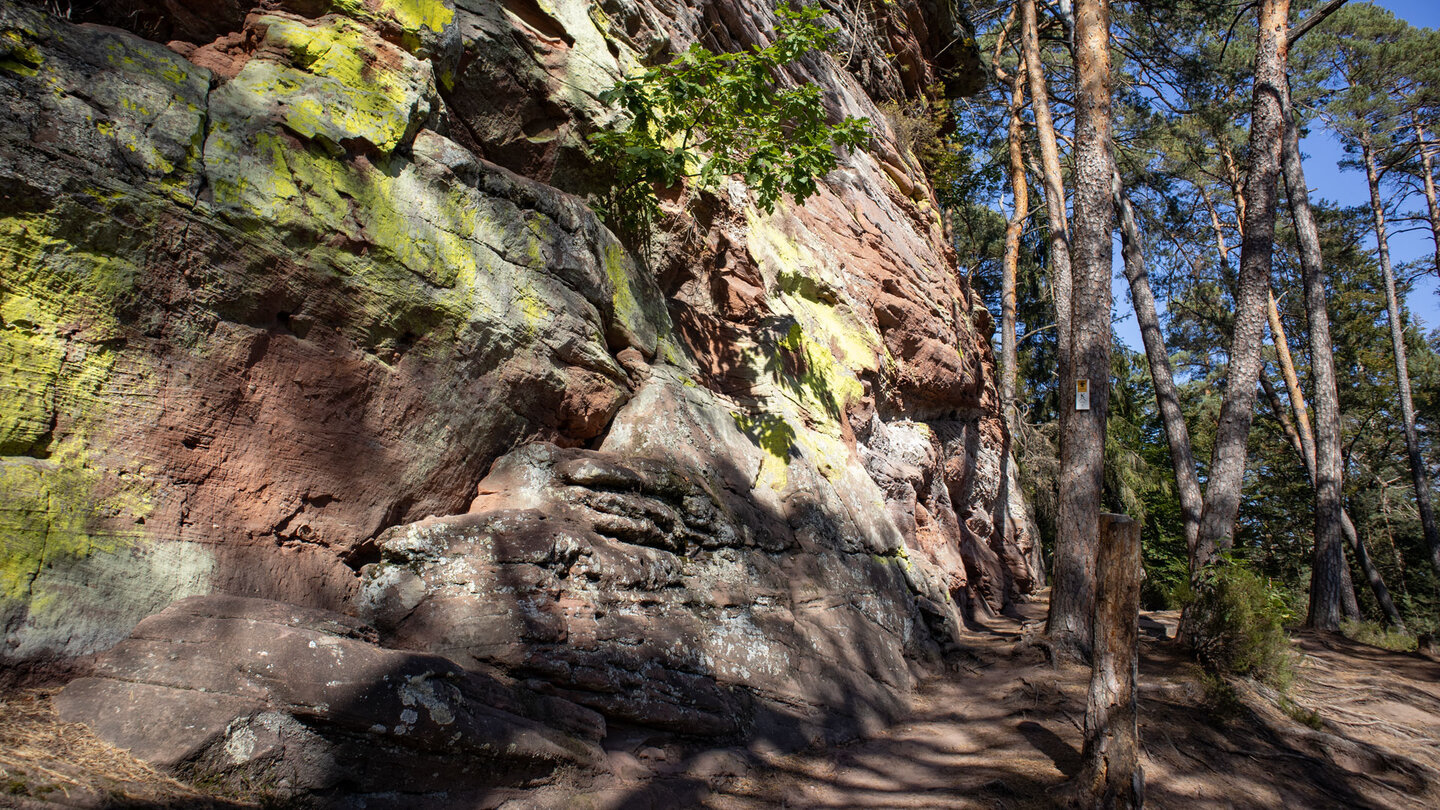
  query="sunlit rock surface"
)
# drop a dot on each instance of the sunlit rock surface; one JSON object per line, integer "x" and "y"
{"x": 300, "y": 301}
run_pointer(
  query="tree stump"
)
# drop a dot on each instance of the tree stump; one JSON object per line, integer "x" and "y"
{"x": 1110, "y": 776}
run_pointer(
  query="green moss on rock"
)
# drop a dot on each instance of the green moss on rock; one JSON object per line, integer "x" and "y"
{"x": 17, "y": 56}
{"x": 410, "y": 15}
{"x": 823, "y": 385}
{"x": 343, "y": 83}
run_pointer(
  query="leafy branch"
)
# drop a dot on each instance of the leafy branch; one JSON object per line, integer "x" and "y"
{"x": 706, "y": 116}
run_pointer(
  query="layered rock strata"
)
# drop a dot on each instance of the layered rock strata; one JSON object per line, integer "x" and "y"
{"x": 300, "y": 302}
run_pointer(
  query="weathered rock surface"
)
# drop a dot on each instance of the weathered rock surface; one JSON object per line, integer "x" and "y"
{"x": 643, "y": 590}
{"x": 282, "y": 281}
{"x": 247, "y": 690}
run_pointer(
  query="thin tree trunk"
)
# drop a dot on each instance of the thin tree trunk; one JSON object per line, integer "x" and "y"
{"x": 1051, "y": 176}
{"x": 1348, "y": 603}
{"x": 1009, "y": 360}
{"x": 1110, "y": 774}
{"x": 1402, "y": 371}
{"x": 1303, "y": 437}
{"x": 1073, "y": 583}
{"x": 1052, "y": 181}
{"x": 1347, "y": 527}
{"x": 1327, "y": 464}
{"x": 1222, "y": 497}
{"x": 1020, "y": 188}
{"x": 1167, "y": 396}
{"x": 1292, "y": 380}
{"x": 1427, "y": 165}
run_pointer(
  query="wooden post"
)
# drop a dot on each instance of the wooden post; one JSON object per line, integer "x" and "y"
{"x": 1110, "y": 776}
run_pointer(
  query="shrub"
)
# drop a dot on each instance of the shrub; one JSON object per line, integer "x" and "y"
{"x": 1375, "y": 635}
{"x": 1222, "y": 703}
{"x": 1234, "y": 621}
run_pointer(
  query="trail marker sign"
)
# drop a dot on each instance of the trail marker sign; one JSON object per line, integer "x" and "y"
{"x": 1082, "y": 395}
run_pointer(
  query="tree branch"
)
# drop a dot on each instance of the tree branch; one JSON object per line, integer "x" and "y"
{"x": 1298, "y": 29}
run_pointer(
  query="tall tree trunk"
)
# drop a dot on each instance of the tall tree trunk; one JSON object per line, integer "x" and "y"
{"x": 1082, "y": 441}
{"x": 1167, "y": 396}
{"x": 1323, "y": 569}
{"x": 1427, "y": 165}
{"x": 1009, "y": 360}
{"x": 1348, "y": 603}
{"x": 1052, "y": 181}
{"x": 1020, "y": 189}
{"x": 1402, "y": 370}
{"x": 1069, "y": 614}
{"x": 1327, "y": 464}
{"x": 1222, "y": 497}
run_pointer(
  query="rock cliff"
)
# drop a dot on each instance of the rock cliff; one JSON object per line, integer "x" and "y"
{"x": 303, "y": 315}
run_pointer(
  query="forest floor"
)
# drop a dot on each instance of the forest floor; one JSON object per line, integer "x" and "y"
{"x": 1360, "y": 727}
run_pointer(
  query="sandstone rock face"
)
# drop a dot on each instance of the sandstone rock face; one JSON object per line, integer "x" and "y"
{"x": 647, "y": 591}
{"x": 300, "y": 301}
{"x": 247, "y": 688}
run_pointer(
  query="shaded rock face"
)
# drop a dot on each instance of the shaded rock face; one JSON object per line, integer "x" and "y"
{"x": 253, "y": 690}
{"x": 282, "y": 281}
{"x": 652, "y": 594}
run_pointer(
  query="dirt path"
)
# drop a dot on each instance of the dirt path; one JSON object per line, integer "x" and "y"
{"x": 1003, "y": 730}
{"x": 1006, "y": 729}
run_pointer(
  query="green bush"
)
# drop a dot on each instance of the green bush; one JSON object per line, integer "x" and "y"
{"x": 706, "y": 116}
{"x": 1375, "y": 635}
{"x": 1235, "y": 624}
{"x": 1222, "y": 703}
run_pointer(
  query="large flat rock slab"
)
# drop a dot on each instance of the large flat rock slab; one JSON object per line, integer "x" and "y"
{"x": 230, "y": 687}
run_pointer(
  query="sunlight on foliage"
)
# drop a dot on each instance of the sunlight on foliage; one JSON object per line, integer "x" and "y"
{"x": 1236, "y": 616}
{"x": 1377, "y": 635}
{"x": 707, "y": 116}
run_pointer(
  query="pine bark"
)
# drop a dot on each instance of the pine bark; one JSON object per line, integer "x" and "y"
{"x": 1014, "y": 229}
{"x": 1167, "y": 395}
{"x": 1082, "y": 440}
{"x": 1292, "y": 380}
{"x": 1327, "y": 464}
{"x": 1402, "y": 371}
{"x": 1052, "y": 180}
{"x": 1348, "y": 603}
{"x": 1432, "y": 206}
{"x": 1073, "y": 576}
{"x": 1110, "y": 774}
{"x": 1222, "y": 497}
{"x": 1020, "y": 188}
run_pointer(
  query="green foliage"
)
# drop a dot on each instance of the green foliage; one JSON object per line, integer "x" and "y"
{"x": 1222, "y": 702}
{"x": 1300, "y": 714}
{"x": 706, "y": 116}
{"x": 1235, "y": 619}
{"x": 1377, "y": 635}
{"x": 924, "y": 128}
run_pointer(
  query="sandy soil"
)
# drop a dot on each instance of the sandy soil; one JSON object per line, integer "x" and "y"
{"x": 1003, "y": 730}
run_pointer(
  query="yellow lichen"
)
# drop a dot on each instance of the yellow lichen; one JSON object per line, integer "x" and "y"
{"x": 776, "y": 437}
{"x": 409, "y": 15}
{"x": 57, "y": 312}
{"x": 627, "y": 309}
{"x": 822, "y": 385}
{"x": 800, "y": 276}
{"x": 339, "y": 88}
{"x": 18, "y": 57}
{"x": 50, "y": 506}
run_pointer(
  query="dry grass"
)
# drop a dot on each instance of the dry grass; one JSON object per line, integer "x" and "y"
{"x": 43, "y": 760}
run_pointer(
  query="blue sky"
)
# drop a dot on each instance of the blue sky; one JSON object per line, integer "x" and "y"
{"x": 1347, "y": 187}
